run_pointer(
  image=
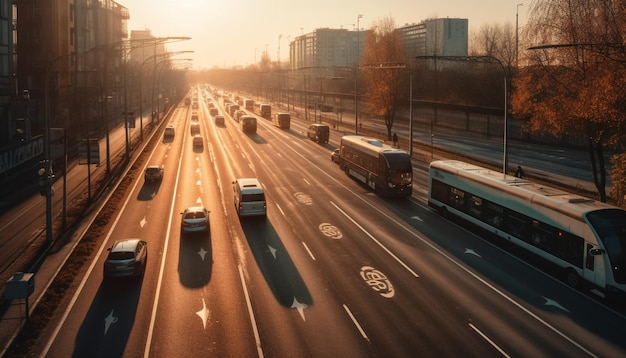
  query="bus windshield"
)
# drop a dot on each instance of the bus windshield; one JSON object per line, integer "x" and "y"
{"x": 610, "y": 225}
{"x": 400, "y": 169}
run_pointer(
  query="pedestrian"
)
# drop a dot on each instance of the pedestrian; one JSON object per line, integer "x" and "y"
{"x": 519, "y": 172}
{"x": 395, "y": 140}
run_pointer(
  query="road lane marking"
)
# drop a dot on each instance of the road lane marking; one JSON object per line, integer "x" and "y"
{"x": 255, "y": 329}
{"x": 356, "y": 323}
{"x": 493, "y": 344}
{"x": 376, "y": 241}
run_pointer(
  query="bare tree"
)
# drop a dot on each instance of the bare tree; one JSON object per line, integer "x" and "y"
{"x": 383, "y": 71}
{"x": 495, "y": 40}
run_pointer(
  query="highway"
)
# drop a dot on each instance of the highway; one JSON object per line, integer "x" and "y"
{"x": 333, "y": 270}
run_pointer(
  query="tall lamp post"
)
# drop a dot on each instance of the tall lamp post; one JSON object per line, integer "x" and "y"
{"x": 46, "y": 172}
{"x": 485, "y": 59}
{"x": 517, "y": 35}
{"x": 356, "y": 73}
{"x": 147, "y": 60}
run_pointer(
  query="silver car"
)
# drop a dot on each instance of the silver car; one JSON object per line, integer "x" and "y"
{"x": 126, "y": 258}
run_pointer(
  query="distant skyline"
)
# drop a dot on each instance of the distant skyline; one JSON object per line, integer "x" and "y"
{"x": 237, "y": 32}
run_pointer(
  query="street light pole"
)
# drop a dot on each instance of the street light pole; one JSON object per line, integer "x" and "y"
{"x": 356, "y": 74}
{"x": 47, "y": 169}
{"x": 517, "y": 35}
{"x": 485, "y": 59}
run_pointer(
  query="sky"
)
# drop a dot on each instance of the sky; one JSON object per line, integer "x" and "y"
{"x": 230, "y": 33}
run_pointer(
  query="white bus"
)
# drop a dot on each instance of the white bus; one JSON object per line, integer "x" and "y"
{"x": 583, "y": 237}
{"x": 383, "y": 168}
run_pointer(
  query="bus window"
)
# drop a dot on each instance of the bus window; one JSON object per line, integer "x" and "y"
{"x": 476, "y": 206}
{"x": 516, "y": 225}
{"x": 457, "y": 198}
{"x": 493, "y": 214}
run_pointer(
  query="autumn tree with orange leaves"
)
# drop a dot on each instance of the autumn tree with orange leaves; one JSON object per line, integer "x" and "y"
{"x": 383, "y": 72}
{"x": 572, "y": 80}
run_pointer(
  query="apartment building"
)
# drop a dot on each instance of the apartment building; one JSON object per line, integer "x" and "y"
{"x": 340, "y": 47}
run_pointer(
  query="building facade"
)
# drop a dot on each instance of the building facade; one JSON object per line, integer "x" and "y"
{"x": 61, "y": 44}
{"x": 326, "y": 48}
{"x": 435, "y": 37}
{"x": 340, "y": 47}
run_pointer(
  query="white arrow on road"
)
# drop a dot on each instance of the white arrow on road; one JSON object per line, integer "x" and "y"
{"x": 108, "y": 321}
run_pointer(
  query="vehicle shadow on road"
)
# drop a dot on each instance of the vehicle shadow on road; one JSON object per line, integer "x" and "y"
{"x": 107, "y": 326}
{"x": 280, "y": 272}
{"x": 148, "y": 191}
{"x": 195, "y": 259}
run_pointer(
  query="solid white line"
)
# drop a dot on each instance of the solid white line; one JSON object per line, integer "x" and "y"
{"x": 376, "y": 241}
{"x": 280, "y": 209}
{"x": 255, "y": 329}
{"x": 146, "y": 352}
{"x": 80, "y": 287}
{"x": 493, "y": 344}
{"x": 356, "y": 323}
{"x": 307, "y": 250}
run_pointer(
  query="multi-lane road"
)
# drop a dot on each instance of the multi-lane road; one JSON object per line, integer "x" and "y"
{"x": 332, "y": 271}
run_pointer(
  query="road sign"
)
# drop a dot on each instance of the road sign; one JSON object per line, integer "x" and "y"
{"x": 89, "y": 151}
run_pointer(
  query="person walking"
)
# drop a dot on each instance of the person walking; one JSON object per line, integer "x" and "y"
{"x": 519, "y": 172}
{"x": 395, "y": 140}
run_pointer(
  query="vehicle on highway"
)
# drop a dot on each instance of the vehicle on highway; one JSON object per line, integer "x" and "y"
{"x": 249, "y": 197}
{"x": 126, "y": 258}
{"x": 169, "y": 132}
{"x": 238, "y": 114}
{"x": 219, "y": 120}
{"x": 197, "y": 141}
{"x": 194, "y": 219}
{"x": 248, "y": 104}
{"x": 194, "y": 128}
{"x": 385, "y": 169}
{"x": 318, "y": 133}
{"x": 334, "y": 156}
{"x": 194, "y": 116}
{"x": 585, "y": 239}
{"x": 282, "y": 120}
{"x": 232, "y": 108}
{"x": 265, "y": 110}
{"x": 248, "y": 124}
{"x": 213, "y": 111}
{"x": 153, "y": 173}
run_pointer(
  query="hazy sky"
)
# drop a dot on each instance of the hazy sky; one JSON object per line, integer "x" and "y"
{"x": 236, "y": 32}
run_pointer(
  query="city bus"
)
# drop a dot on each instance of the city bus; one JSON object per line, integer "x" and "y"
{"x": 387, "y": 170}
{"x": 582, "y": 238}
{"x": 282, "y": 120}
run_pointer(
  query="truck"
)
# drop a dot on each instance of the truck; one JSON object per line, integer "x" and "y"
{"x": 248, "y": 104}
{"x": 265, "y": 111}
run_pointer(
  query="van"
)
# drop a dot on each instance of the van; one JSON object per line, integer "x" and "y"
{"x": 282, "y": 120}
{"x": 249, "y": 197}
{"x": 248, "y": 124}
{"x": 318, "y": 132}
{"x": 265, "y": 110}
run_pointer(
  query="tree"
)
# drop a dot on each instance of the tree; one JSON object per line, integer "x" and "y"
{"x": 496, "y": 41}
{"x": 574, "y": 82}
{"x": 383, "y": 71}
